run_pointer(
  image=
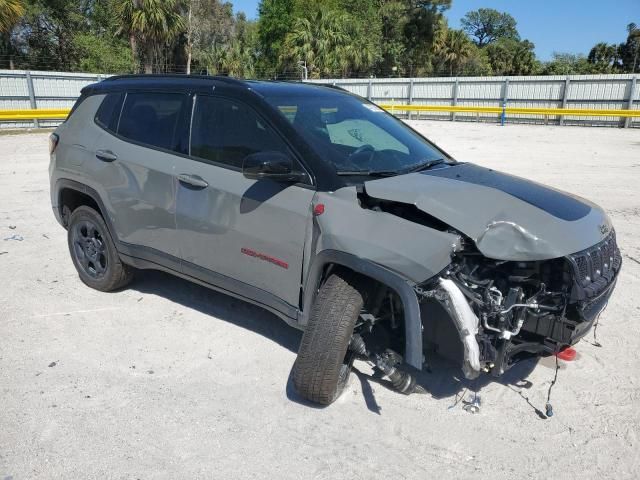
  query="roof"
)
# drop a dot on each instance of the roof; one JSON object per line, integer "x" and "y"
{"x": 262, "y": 87}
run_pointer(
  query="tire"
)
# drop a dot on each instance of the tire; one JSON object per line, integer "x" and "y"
{"x": 321, "y": 370}
{"x": 93, "y": 252}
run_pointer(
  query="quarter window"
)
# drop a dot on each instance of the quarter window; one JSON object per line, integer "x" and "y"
{"x": 226, "y": 132}
{"x": 153, "y": 118}
{"x": 109, "y": 111}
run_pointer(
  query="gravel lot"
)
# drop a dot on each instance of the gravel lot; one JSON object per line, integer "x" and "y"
{"x": 170, "y": 380}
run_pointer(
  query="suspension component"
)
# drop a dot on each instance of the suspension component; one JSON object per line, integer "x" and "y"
{"x": 402, "y": 382}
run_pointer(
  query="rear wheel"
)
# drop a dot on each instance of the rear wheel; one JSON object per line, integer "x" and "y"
{"x": 323, "y": 365}
{"x": 93, "y": 253}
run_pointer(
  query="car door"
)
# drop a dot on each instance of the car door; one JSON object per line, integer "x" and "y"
{"x": 135, "y": 170}
{"x": 230, "y": 228}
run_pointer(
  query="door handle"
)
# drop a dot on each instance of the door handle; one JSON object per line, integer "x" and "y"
{"x": 106, "y": 155}
{"x": 193, "y": 180}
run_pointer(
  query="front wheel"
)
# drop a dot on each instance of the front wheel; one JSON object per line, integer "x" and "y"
{"x": 321, "y": 370}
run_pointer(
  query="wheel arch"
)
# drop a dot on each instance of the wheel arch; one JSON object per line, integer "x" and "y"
{"x": 403, "y": 287}
{"x": 74, "y": 194}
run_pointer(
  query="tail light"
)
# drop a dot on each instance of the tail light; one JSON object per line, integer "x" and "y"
{"x": 53, "y": 143}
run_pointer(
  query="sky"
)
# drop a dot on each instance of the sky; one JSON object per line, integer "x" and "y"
{"x": 567, "y": 26}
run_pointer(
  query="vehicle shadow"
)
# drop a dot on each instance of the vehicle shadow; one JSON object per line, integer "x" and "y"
{"x": 441, "y": 379}
{"x": 218, "y": 305}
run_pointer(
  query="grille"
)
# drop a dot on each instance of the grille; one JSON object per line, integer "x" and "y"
{"x": 596, "y": 267}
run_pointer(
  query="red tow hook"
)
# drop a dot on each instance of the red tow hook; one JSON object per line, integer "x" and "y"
{"x": 568, "y": 354}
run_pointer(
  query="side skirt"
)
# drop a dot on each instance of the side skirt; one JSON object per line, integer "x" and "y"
{"x": 149, "y": 259}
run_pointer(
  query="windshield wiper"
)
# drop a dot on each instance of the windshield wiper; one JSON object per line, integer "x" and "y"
{"x": 425, "y": 165}
{"x": 368, "y": 173}
{"x": 390, "y": 173}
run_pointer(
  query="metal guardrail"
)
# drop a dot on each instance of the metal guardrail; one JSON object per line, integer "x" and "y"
{"x": 580, "y": 112}
{"x": 531, "y": 99}
{"x": 61, "y": 114}
{"x": 38, "y": 114}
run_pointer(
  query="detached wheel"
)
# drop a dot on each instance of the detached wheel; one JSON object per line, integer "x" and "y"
{"x": 93, "y": 253}
{"x": 321, "y": 370}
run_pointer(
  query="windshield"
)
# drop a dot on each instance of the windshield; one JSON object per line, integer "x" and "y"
{"x": 357, "y": 137}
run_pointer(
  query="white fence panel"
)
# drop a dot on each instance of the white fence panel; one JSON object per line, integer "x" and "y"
{"x": 24, "y": 90}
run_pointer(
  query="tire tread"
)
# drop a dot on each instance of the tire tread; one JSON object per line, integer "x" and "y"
{"x": 316, "y": 372}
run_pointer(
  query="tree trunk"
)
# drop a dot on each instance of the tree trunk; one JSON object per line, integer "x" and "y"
{"x": 5, "y": 42}
{"x": 189, "y": 39}
{"x": 134, "y": 52}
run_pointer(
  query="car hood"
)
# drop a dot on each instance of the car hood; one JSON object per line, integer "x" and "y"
{"x": 508, "y": 217}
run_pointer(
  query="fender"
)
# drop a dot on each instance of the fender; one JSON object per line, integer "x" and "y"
{"x": 63, "y": 183}
{"x": 403, "y": 287}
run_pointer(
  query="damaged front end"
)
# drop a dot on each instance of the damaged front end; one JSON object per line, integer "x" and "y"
{"x": 506, "y": 311}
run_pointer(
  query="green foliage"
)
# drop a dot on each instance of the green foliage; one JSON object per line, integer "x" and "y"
{"x": 99, "y": 54}
{"x": 424, "y": 25}
{"x": 209, "y": 32}
{"x": 392, "y": 20}
{"x": 334, "y": 37}
{"x": 487, "y": 25}
{"x": 236, "y": 57}
{"x": 630, "y": 50}
{"x": 605, "y": 58}
{"x": 508, "y": 56}
{"x": 10, "y": 13}
{"x": 275, "y": 23}
{"x": 567, "y": 64}
{"x": 454, "y": 50}
{"x": 149, "y": 25}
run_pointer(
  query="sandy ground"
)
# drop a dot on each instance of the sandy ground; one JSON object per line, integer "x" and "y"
{"x": 170, "y": 380}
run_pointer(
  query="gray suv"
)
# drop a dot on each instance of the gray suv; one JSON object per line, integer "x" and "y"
{"x": 320, "y": 207}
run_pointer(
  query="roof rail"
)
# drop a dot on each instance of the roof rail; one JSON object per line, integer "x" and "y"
{"x": 329, "y": 85}
{"x": 219, "y": 78}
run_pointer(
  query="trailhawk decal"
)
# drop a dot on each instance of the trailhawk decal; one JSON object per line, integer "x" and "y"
{"x": 266, "y": 258}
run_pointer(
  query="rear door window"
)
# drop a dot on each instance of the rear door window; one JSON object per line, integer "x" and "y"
{"x": 155, "y": 119}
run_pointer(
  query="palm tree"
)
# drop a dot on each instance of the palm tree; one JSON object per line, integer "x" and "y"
{"x": 149, "y": 23}
{"x": 322, "y": 42}
{"x": 454, "y": 48}
{"x": 10, "y": 13}
{"x": 634, "y": 37}
{"x": 603, "y": 56}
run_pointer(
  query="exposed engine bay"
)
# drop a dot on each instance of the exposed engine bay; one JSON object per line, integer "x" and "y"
{"x": 494, "y": 270}
{"x": 506, "y": 311}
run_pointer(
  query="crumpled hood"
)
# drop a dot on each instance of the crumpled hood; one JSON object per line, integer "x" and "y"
{"x": 508, "y": 217}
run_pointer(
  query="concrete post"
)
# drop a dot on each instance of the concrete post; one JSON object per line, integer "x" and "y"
{"x": 632, "y": 94}
{"x": 455, "y": 99}
{"x": 409, "y": 116}
{"x": 32, "y": 97}
{"x": 565, "y": 95}
{"x": 369, "y": 88}
{"x": 505, "y": 98}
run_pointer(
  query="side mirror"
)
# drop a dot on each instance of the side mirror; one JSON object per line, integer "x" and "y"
{"x": 273, "y": 165}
